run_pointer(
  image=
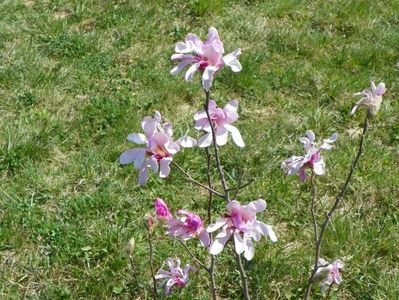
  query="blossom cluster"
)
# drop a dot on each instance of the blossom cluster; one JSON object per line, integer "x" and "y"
{"x": 239, "y": 223}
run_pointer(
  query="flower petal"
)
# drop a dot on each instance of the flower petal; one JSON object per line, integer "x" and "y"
{"x": 191, "y": 71}
{"x": 204, "y": 238}
{"x": 380, "y": 90}
{"x": 319, "y": 166}
{"x": 187, "y": 142}
{"x": 257, "y": 205}
{"x": 143, "y": 175}
{"x": 221, "y": 136}
{"x": 135, "y": 155}
{"x": 215, "y": 226}
{"x": 239, "y": 243}
{"x": 311, "y": 136}
{"x": 220, "y": 241}
{"x": 182, "y": 47}
{"x": 267, "y": 230}
{"x": 152, "y": 163}
{"x": 235, "y": 134}
{"x": 164, "y": 168}
{"x": 205, "y": 141}
{"x": 137, "y": 138}
{"x": 149, "y": 126}
{"x": 232, "y": 106}
{"x": 249, "y": 248}
{"x": 232, "y": 61}
{"x": 179, "y": 67}
{"x": 207, "y": 77}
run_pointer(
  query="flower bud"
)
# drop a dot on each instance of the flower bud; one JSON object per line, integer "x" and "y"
{"x": 162, "y": 209}
{"x": 130, "y": 246}
{"x": 148, "y": 222}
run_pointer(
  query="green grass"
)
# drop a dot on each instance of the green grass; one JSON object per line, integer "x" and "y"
{"x": 77, "y": 76}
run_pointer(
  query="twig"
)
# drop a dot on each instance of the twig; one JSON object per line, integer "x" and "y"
{"x": 241, "y": 269}
{"x": 313, "y": 207}
{"x": 215, "y": 148}
{"x": 334, "y": 208}
{"x": 154, "y": 292}
{"x": 208, "y": 173}
{"x": 197, "y": 182}
{"x": 133, "y": 270}
{"x": 211, "y": 269}
{"x": 193, "y": 256}
{"x": 244, "y": 277}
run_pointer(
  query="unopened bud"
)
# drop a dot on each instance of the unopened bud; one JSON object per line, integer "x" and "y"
{"x": 148, "y": 222}
{"x": 130, "y": 246}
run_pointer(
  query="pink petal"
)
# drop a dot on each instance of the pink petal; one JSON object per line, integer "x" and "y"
{"x": 182, "y": 47}
{"x": 164, "y": 167}
{"x": 215, "y": 226}
{"x": 380, "y": 90}
{"x": 152, "y": 163}
{"x": 232, "y": 61}
{"x": 205, "y": 141}
{"x": 249, "y": 248}
{"x": 221, "y": 136}
{"x": 220, "y": 241}
{"x": 239, "y": 243}
{"x": 204, "y": 238}
{"x": 191, "y": 71}
{"x": 236, "y": 135}
{"x": 319, "y": 166}
{"x": 200, "y": 115}
{"x": 207, "y": 77}
{"x": 148, "y": 126}
{"x": 135, "y": 155}
{"x": 179, "y": 67}
{"x": 311, "y": 136}
{"x": 257, "y": 205}
{"x": 267, "y": 230}
{"x": 232, "y": 106}
{"x": 143, "y": 176}
{"x": 137, "y": 138}
{"x": 187, "y": 142}
{"x": 213, "y": 34}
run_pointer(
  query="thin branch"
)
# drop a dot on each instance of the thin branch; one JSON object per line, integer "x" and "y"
{"x": 211, "y": 269}
{"x": 212, "y": 277}
{"x": 208, "y": 173}
{"x": 193, "y": 256}
{"x": 154, "y": 291}
{"x": 244, "y": 278}
{"x": 197, "y": 182}
{"x": 215, "y": 148}
{"x": 133, "y": 270}
{"x": 241, "y": 269}
{"x": 334, "y": 208}
{"x": 240, "y": 187}
{"x": 313, "y": 208}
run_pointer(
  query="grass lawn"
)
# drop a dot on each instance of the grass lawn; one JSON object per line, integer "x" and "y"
{"x": 76, "y": 77}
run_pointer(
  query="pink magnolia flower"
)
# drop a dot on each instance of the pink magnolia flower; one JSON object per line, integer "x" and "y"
{"x": 312, "y": 159}
{"x": 241, "y": 223}
{"x": 371, "y": 98}
{"x": 328, "y": 274}
{"x": 204, "y": 56}
{"x": 162, "y": 209}
{"x": 188, "y": 226}
{"x": 159, "y": 148}
{"x": 176, "y": 276}
{"x": 222, "y": 120}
